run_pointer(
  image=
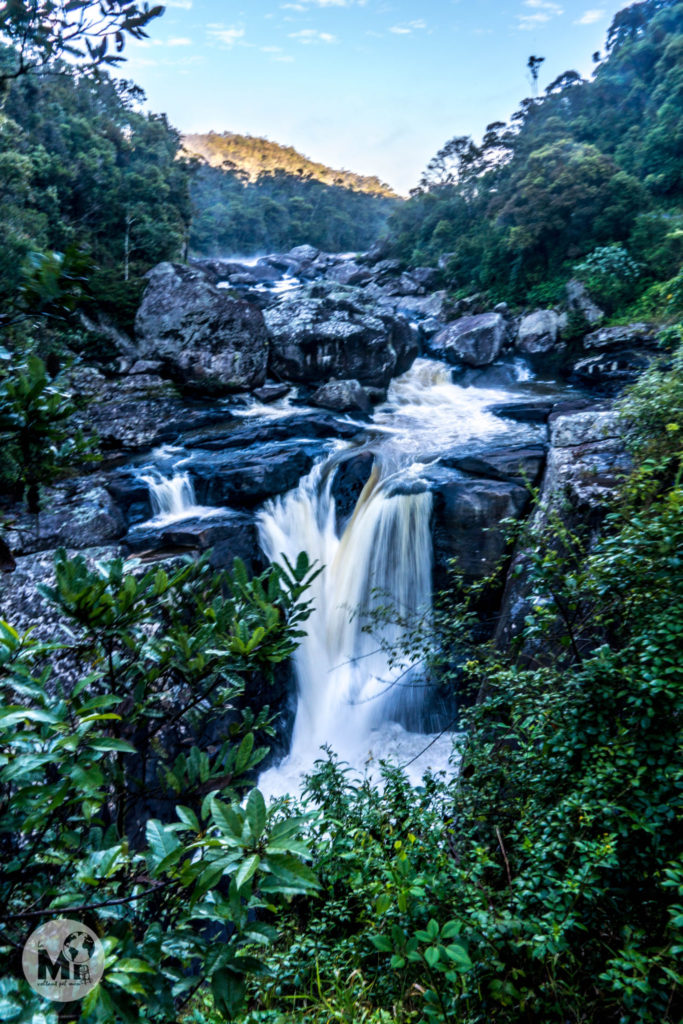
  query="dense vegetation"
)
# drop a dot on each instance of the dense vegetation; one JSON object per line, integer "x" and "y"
{"x": 281, "y": 209}
{"x": 256, "y": 156}
{"x": 540, "y": 882}
{"x": 587, "y": 165}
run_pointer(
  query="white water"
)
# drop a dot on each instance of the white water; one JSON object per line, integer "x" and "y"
{"x": 351, "y": 691}
{"x": 173, "y": 498}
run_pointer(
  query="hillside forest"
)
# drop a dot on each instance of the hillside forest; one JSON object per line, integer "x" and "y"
{"x": 540, "y": 880}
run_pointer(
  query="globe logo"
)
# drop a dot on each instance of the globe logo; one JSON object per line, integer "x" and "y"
{"x": 63, "y": 960}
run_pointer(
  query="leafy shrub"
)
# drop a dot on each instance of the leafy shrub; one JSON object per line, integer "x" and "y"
{"x": 610, "y": 275}
{"x": 124, "y": 760}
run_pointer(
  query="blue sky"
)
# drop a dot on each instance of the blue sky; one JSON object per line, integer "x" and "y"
{"x": 374, "y": 86}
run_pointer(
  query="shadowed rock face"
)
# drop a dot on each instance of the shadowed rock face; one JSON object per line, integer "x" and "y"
{"x": 473, "y": 340}
{"x": 207, "y": 340}
{"x": 314, "y": 339}
{"x": 538, "y": 332}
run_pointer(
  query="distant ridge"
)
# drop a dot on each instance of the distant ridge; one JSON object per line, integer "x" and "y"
{"x": 254, "y": 156}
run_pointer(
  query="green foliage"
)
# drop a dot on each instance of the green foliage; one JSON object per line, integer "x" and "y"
{"x": 610, "y": 275}
{"x": 590, "y": 165}
{"x": 37, "y": 438}
{"x": 280, "y": 210}
{"x": 122, "y": 775}
{"x": 43, "y": 31}
{"x": 544, "y": 881}
{"x": 252, "y": 157}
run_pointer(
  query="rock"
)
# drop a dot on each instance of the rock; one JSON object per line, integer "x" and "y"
{"x": 342, "y": 396}
{"x": 247, "y": 478}
{"x": 350, "y": 272}
{"x": 474, "y": 340}
{"x": 580, "y": 302}
{"x": 136, "y": 412}
{"x": 467, "y": 521}
{"x": 521, "y": 464}
{"x": 612, "y": 371}
{"x": 350, "y": 478}
{"x": 271, "y": 392}
{"x": 586, "y": 463}
{"x": 502, "y": 308}
{"x": 75, "y": 514}
{"x": 7, "y": 560}
{"x": 315, "y": 339}
{"x": 303, "y": 253}
{"x": 306, "y": 426}
{"x": 607, "y": 339}
{"x": 538, "y": 332}
{"x": 434, "y": 305}
{"x": 209, "y": 341}
{"x": 426, "y": 277}
{"x": 227, "y": 533}
{"x": 535, "y": 411}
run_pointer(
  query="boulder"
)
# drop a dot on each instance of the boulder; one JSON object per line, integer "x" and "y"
{"x": 535, "y": 411}
{"x": 608, "y": 339}
{"x": 271, "y": 392}
{"x": 342, "y": 396}
{"x": 137, "y": 411}
{"x": 303, "y": 254}
{"x": 538, "y": 332}
{"x": 522, "y": 463}
{"x": 350, "y": 478}
{"x": 228, "y": 534}
{"x": 336, "y": 335}
{"x": 302, "y": 426}
{"x": 349, "y": 272}
{"x": 246, "y": 478}
{"x": 473, "y": 340}
{"x": 467, "y": 521}
{"x": 612, "y": 371}
{"x": 579, "y": 301}
{"x": 79, "y": 513}
{"x": 208, "y": 340}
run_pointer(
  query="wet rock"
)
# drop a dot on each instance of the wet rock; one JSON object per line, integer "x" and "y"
{"x": 612, "y": 371}
{"x": 243, "y": 479}
{"x": 467, "y": 519}
{"x": 342, "y": 396}
{"x": 304, "y": 426}
{"x": 303, "y": 253}
{"x": 271, "y": 392}
{"x": 136, "y": 412}
{"x": 473, "y": 340}
{"x": 228, "y": 534}
{"x": 314, "y": 339}
{"x": 522, "y": 464}
{"x": 209, "y": 341}
{"x": 607, "y": 339}
{"x": 535, "y": 411}
{"x": 350, "y": 272}
{"x": 434, "y": 305}
{"x": 579, "y": 301}
{"x": 538, "y": 332}
{"x": 75, "y": 514}
{"x": 349, "y": 480}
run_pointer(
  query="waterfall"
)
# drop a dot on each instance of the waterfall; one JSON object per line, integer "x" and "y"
{"x": 353, "y": 693}
{"x": 173, "y": 497}
{"x": 349, "y": 681}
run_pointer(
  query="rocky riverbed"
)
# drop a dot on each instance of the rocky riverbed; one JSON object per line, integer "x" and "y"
{"x": 242, "y": 377}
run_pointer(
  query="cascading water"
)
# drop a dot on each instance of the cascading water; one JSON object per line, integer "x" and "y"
{"x": 173, "y": 498}
{"x": 352, "y": 692}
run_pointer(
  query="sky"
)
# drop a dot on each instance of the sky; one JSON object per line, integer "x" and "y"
{"x": 372, "y": 86}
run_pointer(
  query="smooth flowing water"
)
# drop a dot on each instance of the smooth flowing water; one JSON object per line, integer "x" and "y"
{"x": 358, "y": 692}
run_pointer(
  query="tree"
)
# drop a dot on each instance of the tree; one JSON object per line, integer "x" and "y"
{"x": 534, "y": 65}
{"x": 41, "y": 32}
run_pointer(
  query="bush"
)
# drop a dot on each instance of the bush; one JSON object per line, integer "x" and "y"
{"x": 124, "y": 766}
{"x": 610, "y": 275}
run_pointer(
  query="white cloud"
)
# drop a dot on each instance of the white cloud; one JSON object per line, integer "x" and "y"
{"x": 271, "y": 49}
{"x": 590, "y": 18}
{"x": 312, "y": 35}
{"x": 408, "y": 27}
{"x": 544, "y": 11}
{"x": 179, "y": 41}
{"x": 228, "y": 35}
